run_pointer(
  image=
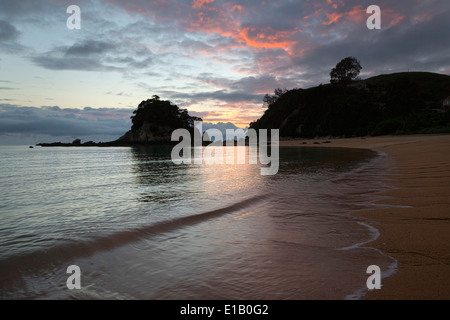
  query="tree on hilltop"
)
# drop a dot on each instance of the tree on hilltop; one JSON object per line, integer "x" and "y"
{"x": 157, "y": 113}
{"x": 345, "y": 71}
{"x": 268, "y": 99}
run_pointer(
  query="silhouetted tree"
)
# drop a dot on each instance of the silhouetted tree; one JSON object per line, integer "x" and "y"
{"x": 279, "y": 92}
{"x": 268, "y": 99}
{"x": 345, "y": 71}
{"x": 161, "y": 113}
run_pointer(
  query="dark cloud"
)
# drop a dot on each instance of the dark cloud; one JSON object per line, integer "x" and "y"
{"x": 261, "y": 84}
{"x": 75, "y": 63}
{"x": 7, "y": 31}
{"x": 9, "y": 36}
{"x": 409, "y": 45}
{"x": 220, "y": 95}
{"x": 89, "y": 47}
{"x": 250, "y": 89}
{"x": 13, "y": 8}
{"x": 87, "y": 123}
{"x": 92, "y": 55}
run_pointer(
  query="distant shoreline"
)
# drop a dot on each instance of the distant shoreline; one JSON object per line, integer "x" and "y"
{"x": 99, "y": 144}
{"x": 416, "y": 233}
{"x": 120, "y": 144}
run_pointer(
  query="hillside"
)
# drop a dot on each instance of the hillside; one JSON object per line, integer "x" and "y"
{"x": 387, "y": 104}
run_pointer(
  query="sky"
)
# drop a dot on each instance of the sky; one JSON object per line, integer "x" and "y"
{"x": 215, "y": 58}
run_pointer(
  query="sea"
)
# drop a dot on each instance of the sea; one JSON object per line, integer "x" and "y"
{"x": 137, "y": 226}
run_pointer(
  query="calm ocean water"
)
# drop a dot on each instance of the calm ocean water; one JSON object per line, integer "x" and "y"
{"x": 141, "y": 227}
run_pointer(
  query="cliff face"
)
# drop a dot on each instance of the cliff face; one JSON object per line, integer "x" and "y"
{"x": 147, "y": 133}
{"x": 154, "y": 121}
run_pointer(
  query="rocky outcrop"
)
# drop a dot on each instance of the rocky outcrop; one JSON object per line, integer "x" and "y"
{"x": 147, "y": 134}
{"x": 154, "y": 121}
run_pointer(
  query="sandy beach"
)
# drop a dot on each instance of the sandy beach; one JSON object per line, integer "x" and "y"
{"x": 417, "y": 233}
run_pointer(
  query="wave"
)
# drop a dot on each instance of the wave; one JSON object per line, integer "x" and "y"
{"x": 31, "y": 263}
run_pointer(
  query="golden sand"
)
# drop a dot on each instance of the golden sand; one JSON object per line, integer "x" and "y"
{"x": 417, "y": 236}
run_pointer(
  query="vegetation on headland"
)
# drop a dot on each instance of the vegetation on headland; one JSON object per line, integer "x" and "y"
{"x": 154, "y": 121}
{"x": 399, "y": 103}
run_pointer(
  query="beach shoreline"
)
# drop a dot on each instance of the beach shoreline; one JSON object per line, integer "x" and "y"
{"x": 415, "y": 230}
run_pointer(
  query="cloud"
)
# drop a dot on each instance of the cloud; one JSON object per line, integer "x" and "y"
{"x": 305, "y": 37}
{"x": 62, "y": 63}
{"x": 419, "y": 46}
{"x": 9, "y": 36}
{"x": 247, "y": 89}
{"x": 31, "y": 125}
{"x": 221, "y": 95}
{"x": 223, "y": 127}
{"x": 13, "y": 8}
{"x": 255, "y": 37}
{"x": 89, "y": 47}
{"x": 92, "y": 55}
{"x": 7, "y": 31}
{"x": 53, "y": 121}
{"x": 200, "y": 3}
{"x": 225, "y": 55}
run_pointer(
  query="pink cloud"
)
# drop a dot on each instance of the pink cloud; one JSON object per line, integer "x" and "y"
{"x": 255, "y": 39}
{"x": 199, "y": 3}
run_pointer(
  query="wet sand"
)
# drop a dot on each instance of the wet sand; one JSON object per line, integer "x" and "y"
{"x": 417, "y": 233}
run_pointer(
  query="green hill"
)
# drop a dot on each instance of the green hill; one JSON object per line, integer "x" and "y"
{"x": 398, "y": 103}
